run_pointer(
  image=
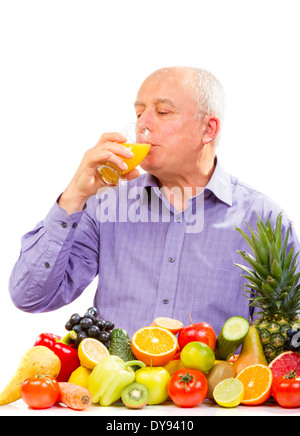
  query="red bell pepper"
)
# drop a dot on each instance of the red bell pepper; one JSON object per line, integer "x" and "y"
{"x": 67, "y": 354}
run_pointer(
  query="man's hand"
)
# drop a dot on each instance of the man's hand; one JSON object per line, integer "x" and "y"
{"x": 84, "y": 183}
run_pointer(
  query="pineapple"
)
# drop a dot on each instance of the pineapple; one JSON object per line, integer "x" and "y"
{"x": 272, "y": 284}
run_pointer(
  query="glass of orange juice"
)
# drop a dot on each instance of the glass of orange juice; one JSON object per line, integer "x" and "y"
{"x": 109, "y": 173}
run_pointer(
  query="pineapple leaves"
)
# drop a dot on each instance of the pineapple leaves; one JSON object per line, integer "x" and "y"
{"x": 260, "y": 270}
{"x": 283, "y": 252}
{"x": 272, "y": 280}
{"x": 257, "y": 249}
{"x": 278, "y": 235}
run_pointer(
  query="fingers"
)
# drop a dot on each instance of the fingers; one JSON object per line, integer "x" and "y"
{"x": 131, "y": 175}
{"x": 109, "y": 150}
{"x": 112, "y": 156}
{"x": 112, "y": 137}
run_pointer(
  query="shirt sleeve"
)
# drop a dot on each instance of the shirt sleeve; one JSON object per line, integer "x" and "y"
{"x": 58, "y": 260}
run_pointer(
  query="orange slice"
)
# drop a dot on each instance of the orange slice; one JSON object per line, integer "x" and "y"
{"x": 168, "y": 323}
{"x": 257, "y": 380}
{"x": 154, "y": 346}
{"x": 91, "y": 352}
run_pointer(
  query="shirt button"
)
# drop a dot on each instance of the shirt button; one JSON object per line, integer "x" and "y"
{"x": 64, "y": 225}
{"x": 179, "y": 219}
{"x": 171, "y": 259}
{"x": 74, "y": 225}
{"x": 165, "y": 301}
{"x": 47, "y": 265}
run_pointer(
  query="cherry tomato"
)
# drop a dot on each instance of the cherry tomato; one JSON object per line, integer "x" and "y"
{"x": 40, "y": 392}
{"x": 286, "y": 390}
{"x": 188, "y": 387}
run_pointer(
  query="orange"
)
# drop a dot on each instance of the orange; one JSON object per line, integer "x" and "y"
{"x": 91, "y": 352}
{"x": 154, "y": 346}
{"x": 168, "y": 323}
{"x": 257, "y": 380}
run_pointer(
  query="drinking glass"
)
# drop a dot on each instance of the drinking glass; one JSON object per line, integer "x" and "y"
{"x": 109, "y": 173}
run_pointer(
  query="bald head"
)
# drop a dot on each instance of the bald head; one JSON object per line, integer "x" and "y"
{"x": 201, "y": 84}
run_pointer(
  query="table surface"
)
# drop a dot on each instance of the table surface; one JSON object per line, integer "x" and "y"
{"x": 207, "y": 408}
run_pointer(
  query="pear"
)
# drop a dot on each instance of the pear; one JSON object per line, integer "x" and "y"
{"x": 252, "y": 351}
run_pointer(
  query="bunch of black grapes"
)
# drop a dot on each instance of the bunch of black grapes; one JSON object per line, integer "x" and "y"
{"x": 90, "y": 326}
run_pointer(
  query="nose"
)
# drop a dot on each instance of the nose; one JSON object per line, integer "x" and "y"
{"x": 145, "y": 126}
{"x": 142, "y": 129}
{"x": 146, "y": 120}
{"x": 142, "y": 133}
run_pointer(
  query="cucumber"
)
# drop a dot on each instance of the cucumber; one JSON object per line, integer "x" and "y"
{"x": 231, "y": 337}
{"x": 120, "y": 345}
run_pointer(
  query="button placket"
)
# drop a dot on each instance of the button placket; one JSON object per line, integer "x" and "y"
{"x": 167, "y": 286}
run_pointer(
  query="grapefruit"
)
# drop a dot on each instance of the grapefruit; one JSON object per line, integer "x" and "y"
{"x": 284, "y": 363}
{"x": 168, "y": 323}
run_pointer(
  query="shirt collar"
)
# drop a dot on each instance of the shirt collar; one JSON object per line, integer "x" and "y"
{"x": 219, "y": 183}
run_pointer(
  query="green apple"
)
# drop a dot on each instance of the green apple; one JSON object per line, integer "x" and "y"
{"x": 156, "y": 378}
{"x": 197, "y": 355}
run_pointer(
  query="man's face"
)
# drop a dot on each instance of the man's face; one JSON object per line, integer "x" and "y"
{"x": 166, "y": 107}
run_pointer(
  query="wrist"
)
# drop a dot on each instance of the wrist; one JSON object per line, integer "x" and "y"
{"x": 71, "y": 203}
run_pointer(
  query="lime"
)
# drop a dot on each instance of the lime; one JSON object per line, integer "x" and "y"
{"x": 229, "y": 393}
{"x": 196, "y": 355}
{"x": 80, "y": 376}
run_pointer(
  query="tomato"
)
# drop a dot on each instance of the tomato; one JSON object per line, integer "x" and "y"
{"x": 188, "y": 387}
{"x": 40, "y": 392}
{"x": 156, "y": 378}
{"x": 286, "y": 390}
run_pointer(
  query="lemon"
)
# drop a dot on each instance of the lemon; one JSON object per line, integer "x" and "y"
{"x": 80, "y": 376}
{"x": 229, "y": 393}
{"x": 91, "y": 352}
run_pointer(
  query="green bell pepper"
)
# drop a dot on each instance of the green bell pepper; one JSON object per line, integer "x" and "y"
{"x": 109, "y": 378}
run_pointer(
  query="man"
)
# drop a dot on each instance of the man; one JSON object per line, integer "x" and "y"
{"x": 162, "y": 244}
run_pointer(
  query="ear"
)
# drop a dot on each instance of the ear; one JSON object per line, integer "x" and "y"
{"x": 212, "y": 129}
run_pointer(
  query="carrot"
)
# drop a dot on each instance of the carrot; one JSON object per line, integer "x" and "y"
{"x": 74, "y": 396}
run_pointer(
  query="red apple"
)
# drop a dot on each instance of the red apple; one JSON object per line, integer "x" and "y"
{"x": 201, "y": 332}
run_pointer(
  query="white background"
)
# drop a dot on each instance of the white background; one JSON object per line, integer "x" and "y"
{"x": 70, "y": 70}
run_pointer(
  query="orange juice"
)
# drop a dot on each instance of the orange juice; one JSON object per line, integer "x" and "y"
{"x": 139, "y": 151}
{"x": 111, "y": 173}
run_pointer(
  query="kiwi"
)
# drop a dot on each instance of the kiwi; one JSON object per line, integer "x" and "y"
{"x": 135, "y": 396}
{"x": 221, "y": 371}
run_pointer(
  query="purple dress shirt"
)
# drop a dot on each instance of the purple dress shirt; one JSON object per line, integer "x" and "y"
{"x": 150, "y": 260}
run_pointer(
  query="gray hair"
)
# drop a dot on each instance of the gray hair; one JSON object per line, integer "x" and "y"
{"x": 209, "y": 93}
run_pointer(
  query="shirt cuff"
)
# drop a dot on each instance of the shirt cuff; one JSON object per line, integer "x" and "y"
{"x": 60, "y": 225}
